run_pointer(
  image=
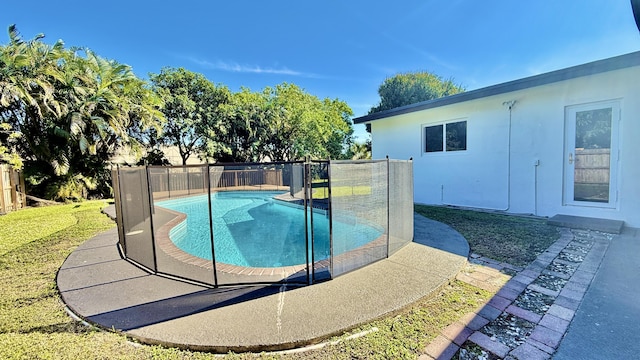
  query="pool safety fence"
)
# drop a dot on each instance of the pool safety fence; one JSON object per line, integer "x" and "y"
{"x": 263, "y": 223}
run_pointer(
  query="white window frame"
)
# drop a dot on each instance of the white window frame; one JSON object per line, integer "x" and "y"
{"x": 444, "y": 137}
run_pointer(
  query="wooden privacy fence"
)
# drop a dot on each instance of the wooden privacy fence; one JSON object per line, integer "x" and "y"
{"x": 250, "y": 177}
{"x": 12, "y": 194}
{"x": 592, "y": 166}
{"x": 189, "y": 180}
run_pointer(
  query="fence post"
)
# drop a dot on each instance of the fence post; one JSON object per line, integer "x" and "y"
{"x": 3, "y": 205}
{"x": 308, "y": 196}
{"x": 211, "y": 235}
{"x": 168, "y": 183}
{"x": 115, "y": 179}
{"x": 330, "y": 215}
{"x": 14, "y": 194}
{"x": 23, "y": 190}
{"x": 388, "y": 206}
{"x": 147, "y": 180}
{"x": 188, "y": 180}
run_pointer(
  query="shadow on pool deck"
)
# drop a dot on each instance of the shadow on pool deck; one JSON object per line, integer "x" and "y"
{"x": 99, "y": 286}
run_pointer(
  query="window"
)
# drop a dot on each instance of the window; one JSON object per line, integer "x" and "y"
{"x": 453, "y": 139}
{"x": 457, "y": 136}
{"x": 433, "y": 138}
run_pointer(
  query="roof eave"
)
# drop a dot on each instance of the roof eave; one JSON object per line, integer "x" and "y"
{"x": 595, "y": 67}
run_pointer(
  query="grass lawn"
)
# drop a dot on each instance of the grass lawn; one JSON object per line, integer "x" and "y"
{"x": 514, "y": 239}
{"x": 338, "y": 191}
{"x": 34, "y": 325}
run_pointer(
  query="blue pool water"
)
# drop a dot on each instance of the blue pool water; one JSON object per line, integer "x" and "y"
{"x": 252, "y": 229}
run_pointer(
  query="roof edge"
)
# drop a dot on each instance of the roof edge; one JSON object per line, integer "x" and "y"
{"x": 591, "y": 68}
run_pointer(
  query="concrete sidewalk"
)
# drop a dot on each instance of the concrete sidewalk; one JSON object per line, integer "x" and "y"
{"x": 606, "y": 324}
{"x": 100, "y": 287}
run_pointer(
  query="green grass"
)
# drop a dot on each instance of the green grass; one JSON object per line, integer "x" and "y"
{"x": 514, "y": 239}
{"x": 22, "y": 227}
{"x": 34, "y": 325}
{"x": 338, "y": 191}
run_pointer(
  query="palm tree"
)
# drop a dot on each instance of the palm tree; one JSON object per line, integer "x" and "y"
{"x": 360, "y": 151}
{"x": 108, "y": 104}
{"x": 28, "y": 71}
{"x": 73, "y": 111}
{"x": 107, "y": 107}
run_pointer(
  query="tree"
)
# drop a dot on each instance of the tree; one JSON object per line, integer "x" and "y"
{"x": 73, "y": 110}
{"x": 333, "y": 130}
{"x": 360, "y": 150}
{"x": 24, "y": 91}
{"x": 283, "y": 123}
{"x": 8, "y": 139}
{"x": 410, "y": 88}
{"x": 635, "y": 8}
{"x": 192, "y": 109}
{"x": 246, "y": 119}
{"x": 303, "y": 125}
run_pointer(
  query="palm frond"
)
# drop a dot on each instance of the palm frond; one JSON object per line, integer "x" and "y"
{"x": 76, "y": 124}
{"x": 14, "y": 35}
{"x": 83, "y": 144}
{"x": 60, "y": 166}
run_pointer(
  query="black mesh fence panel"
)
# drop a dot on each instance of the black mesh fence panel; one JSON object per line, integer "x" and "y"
{"x": 294, "y": 222}
{"x": 400, "y": 204}
{"x": 118, "y": 206}
{"x": 136, "y": 216}
{"x": 181, "y": 222}
{"x": 258, "y": 225}
{"x": 319, "y": 220}
{"x": 359, "y": 213}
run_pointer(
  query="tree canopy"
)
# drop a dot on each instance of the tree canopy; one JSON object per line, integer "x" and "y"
{"x": 284, "y": 123}
{"x": 413, "y": 87}
{"x": 192, "y": 109}
{"x": 635, "y": 8}
{"x": 72, "y": 111}
{"x": 66, "y": 114}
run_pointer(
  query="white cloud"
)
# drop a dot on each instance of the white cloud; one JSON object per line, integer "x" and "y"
{"x": 252, "y": 69}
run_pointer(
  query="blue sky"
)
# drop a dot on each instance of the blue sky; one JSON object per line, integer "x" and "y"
{"x": 337, "y": 49}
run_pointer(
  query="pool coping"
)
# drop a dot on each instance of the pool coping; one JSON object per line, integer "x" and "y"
{"x": 103, "y": 289}
{"x": 164, "y": 242}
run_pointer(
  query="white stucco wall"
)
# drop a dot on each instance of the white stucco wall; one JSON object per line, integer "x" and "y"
{"x": 484, "y": 177}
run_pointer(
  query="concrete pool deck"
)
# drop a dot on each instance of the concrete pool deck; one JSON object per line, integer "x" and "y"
{"x": 101, "y": 288}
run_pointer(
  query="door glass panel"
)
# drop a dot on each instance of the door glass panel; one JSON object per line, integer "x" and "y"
{"x": 592, "y": 155}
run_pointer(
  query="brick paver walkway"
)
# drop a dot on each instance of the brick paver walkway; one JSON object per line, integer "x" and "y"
{"x": 532, "y": 310}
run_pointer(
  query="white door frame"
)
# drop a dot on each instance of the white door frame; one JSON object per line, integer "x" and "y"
{"x": 569, "y": 154}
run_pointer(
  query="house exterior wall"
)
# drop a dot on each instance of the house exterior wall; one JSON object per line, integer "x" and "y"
{"x": 524, "y": 172}
{"x": 173, "y": 155}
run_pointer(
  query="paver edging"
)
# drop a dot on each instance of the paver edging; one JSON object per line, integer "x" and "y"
{"x": 550, "y": 327}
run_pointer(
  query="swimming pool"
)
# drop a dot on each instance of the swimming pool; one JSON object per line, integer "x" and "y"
{"x": 253, "y": 229}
